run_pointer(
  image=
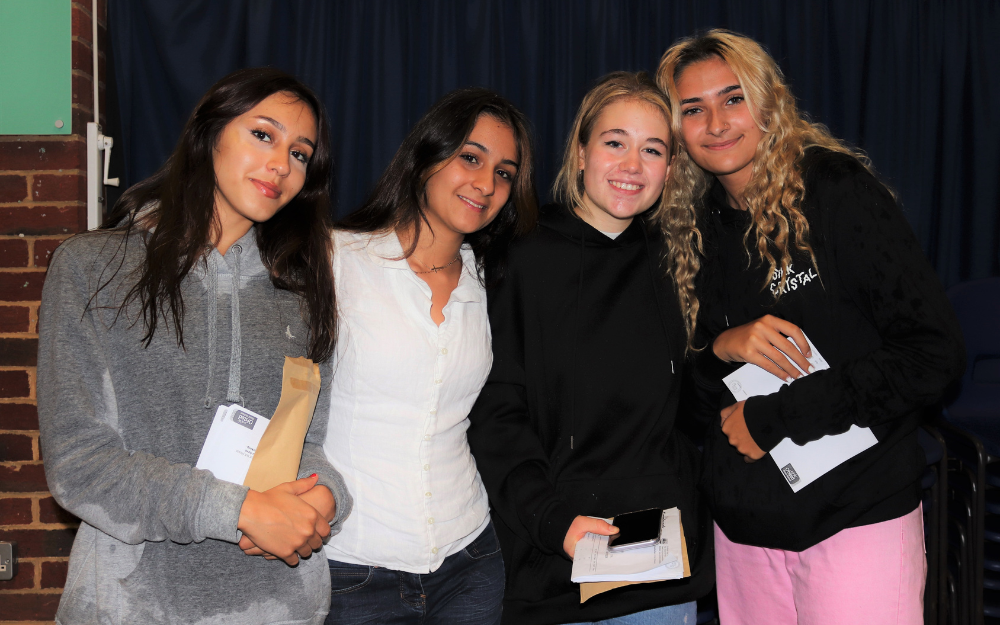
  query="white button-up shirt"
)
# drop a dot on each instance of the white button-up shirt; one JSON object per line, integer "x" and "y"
{"x": 401, "y": 393}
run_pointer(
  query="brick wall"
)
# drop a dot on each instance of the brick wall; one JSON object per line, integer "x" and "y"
{"x": 43, "y": 200}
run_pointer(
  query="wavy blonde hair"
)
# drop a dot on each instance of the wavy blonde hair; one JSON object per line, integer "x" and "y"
{"x": 775, "y": 191}
{"x": 568, "y": 186}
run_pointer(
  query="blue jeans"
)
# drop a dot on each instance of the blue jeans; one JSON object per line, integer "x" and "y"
{"x": 466, "y": 590}
{"x": 680, "y": 614}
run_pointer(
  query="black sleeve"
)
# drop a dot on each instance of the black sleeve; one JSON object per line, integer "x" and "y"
{"x": 886, "y": 274}
{"x": 504, "y": 441}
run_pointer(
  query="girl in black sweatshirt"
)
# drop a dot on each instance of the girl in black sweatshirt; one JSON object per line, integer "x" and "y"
{"x": 576, "y": 419}
{"x": 800, "y": 238}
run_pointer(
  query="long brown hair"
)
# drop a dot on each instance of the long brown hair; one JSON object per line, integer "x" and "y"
{"x": 775, "y": 191}
{"x": 397, "y": 199}
{"x": 174, "y": 212}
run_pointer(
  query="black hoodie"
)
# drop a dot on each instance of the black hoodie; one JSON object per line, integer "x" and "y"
{"x": 875, "y": 310}
{"x": 577, "y": 415}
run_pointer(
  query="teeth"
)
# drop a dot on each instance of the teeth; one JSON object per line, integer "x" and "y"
{"x": 625, "y": 186}
{"x": 479, "y": 206}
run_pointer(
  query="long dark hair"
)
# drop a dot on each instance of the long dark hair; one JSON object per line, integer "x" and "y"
{"x": 174, "y": 211}
{"x": 396, "y": 201}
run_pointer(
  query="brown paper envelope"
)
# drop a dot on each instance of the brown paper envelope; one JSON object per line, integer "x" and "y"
{"x": 592, "y": 589}
{"x": 280, "y": 449}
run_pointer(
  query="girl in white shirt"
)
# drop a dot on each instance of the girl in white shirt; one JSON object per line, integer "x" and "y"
{"x": 413, "y": 351}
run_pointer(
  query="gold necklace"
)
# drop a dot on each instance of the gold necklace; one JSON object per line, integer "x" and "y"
{"x": 436, "y": 269}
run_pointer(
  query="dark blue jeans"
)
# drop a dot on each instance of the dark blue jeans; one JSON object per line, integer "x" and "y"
{"x": 466, "y": 590}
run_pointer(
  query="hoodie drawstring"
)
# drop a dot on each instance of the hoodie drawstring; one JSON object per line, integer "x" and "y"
{"x": 212, "y": 309}
{"x": 236, "y": 355}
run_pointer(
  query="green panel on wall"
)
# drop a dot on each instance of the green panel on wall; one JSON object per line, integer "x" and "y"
{"x": 36, "y": 64}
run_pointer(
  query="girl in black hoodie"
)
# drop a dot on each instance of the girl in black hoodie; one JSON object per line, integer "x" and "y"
{"x": 800, "y": 238}
{"x": 577, "y": 416}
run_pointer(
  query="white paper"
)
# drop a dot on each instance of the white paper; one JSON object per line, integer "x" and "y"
{"x": 594, "y": 563}
{"x": 231, "y": 443}
{"x": 800, "y": 465}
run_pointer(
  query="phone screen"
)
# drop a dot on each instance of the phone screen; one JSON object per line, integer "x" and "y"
{"x": 636, "y": 527}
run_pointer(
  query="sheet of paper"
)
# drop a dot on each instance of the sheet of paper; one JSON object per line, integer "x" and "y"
{"x": 231, "y": 443}
{"x": 800, "y": 465}
{"x": 665, "y": 560}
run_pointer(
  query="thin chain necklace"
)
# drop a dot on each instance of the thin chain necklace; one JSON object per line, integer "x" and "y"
{"x": 436, "y": 269}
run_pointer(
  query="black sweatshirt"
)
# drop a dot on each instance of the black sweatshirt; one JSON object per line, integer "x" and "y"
{"x": 577, "y": 415}
{"x": 874, "y": 308}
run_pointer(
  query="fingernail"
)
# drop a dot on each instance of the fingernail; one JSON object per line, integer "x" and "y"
{"x": 789, "y": 380}
{"x": 811, "y": 369}
{"x": 313, "y": 475}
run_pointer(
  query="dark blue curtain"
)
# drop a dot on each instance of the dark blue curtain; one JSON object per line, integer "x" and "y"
{"x": 913, "y": 82}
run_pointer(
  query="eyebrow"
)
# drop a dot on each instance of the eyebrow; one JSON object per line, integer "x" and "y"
{"x": 486, "y": 150}
{"x": 281, "y": 127}
{"x": 721, "y": 92}
{"x": 619, "y": 131}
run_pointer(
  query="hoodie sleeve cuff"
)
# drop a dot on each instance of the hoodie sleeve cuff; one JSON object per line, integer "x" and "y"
{"x": 219, "y": 512}
{"x": 709, "y": 369}
{"x": 762, "y": 418}
{"x": 555, "y": 523}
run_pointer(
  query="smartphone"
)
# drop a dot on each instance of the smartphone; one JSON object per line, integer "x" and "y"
{"x": 636, "y": 530}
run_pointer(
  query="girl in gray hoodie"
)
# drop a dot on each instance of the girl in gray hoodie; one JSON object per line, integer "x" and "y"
{"x": 207, "y": 275}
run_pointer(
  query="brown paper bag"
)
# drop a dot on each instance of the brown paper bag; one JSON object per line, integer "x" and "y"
{"x": 280, "y": 449}
{"x": 589, "y": 590}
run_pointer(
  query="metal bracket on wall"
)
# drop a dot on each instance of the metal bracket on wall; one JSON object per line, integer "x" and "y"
{"x": 96, "y": 178}
{"x": 8, "y": 561}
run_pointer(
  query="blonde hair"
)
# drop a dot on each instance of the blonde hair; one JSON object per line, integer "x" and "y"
{"x": 774, "y": 194}
{"x": 568, "y": 187}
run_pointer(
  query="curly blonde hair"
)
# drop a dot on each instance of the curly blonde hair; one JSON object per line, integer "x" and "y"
{"x": 774, "y": 194}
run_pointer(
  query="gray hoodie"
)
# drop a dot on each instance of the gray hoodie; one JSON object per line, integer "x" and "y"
{"x": 122, "y": 427}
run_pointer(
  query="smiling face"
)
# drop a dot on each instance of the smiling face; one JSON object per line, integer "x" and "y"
{"x": 466, "y": 194}
{"x": 260, "y": 162}
{"x": 625, "y": 164}
{"x": 719, "y": 133}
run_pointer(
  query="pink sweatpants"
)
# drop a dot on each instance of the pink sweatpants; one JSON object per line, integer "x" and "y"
{"x": 870, "y": 575}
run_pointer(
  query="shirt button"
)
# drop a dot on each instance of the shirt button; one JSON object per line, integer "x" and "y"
{"x": 430, "y": 521}
{"x": 427, "y": 467}
{"x": 427, "y": 437}
{"x": 434, "y": 411}
{"x": 434, "y": 550}
{"x": 427, "y": 494}
{"x": 444, "y": 350}
{"x": 437, "y": 381}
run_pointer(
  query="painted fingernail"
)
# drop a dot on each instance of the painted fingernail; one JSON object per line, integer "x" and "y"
{"x": 811, "y": 369}
{"x": 313, "y": 475}
{"x": 789, "y": 380}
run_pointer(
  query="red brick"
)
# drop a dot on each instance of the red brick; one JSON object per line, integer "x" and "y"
{"x": 18, "y": 417}
{"x": 43, "y": 220}
{"x": 83, "y": 25}
{"x": 44, "y": 249}
{"x": 42, "y": 543}
{"x": 30, "y": 607}
{"x": 43, "y": 154}
{"x": 83, "y": 91}
{"x": 18, "y": 352}
{"x": 16, "y": 448}
{"x": 83, "y": 58}
{"x": 54, "y": 574}
{"x": 56, "y": 188}
{"x": 12, "y": 188}
{"x": 21, "y": 286}
{"x": 13, "y": 253}
{"x": 15, "y": 318}
{"x": 22, "y": 478}
{"x": 50, "y": 512}
{"x": 14, "y": 384}
{"x": 24, "y": 579}
{"x": 15, "y": 511}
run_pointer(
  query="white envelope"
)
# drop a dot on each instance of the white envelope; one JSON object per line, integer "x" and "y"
{"x": 231, "y": 443}
{"x": 800, "y": 465}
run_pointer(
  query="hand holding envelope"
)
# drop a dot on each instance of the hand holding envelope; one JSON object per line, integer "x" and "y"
{"x": 281, "y": 515}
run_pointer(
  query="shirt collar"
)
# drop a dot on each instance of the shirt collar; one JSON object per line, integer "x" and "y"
{"x": 385, "y": 250}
